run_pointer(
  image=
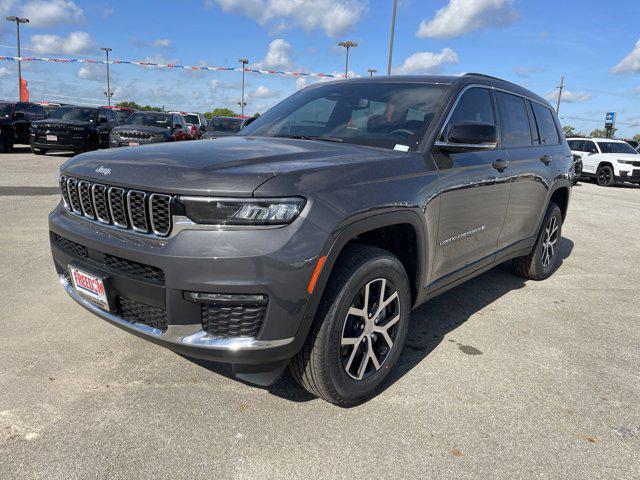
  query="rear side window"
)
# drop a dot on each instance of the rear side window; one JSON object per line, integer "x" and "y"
{"x": 590, "y": 147}
{"x": 576, "y": 145}
{"x": 473, "y": 106}
{"x": 546, "y": 125}
{"x": 516, "y": 131}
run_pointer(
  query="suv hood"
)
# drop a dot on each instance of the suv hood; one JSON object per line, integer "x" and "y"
{"x": 58, "y": 121}
{"x": 232, "y": 166}
{"x": 140, "y": 128}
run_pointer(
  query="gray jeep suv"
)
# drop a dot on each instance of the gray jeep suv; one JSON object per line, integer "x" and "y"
{"x": 307, "y": 239}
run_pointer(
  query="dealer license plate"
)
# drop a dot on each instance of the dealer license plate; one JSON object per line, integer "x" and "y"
{"x": 90, "y": 287}
{"x": 52, "y": 138}
{"x": 134, "y": 144}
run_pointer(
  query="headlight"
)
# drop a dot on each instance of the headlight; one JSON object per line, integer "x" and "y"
{"x": 249, "y": 211}
{"x": 627, "y": 162}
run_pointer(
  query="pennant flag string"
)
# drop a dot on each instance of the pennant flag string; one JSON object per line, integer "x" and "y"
{"x": 182, "y": 67}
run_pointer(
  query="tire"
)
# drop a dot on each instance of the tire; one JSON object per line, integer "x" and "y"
{"x": 537, "y": 265}
{"x": 605, "y": 177}
{"x": 38, "y": 151}
{"x": 330, "y": 364}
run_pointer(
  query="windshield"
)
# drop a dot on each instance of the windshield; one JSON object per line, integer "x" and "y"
{"x": 6, "y": 109}
{"x": 74, "y": 113}
{"x": 192, "y": 119}
{"x": 380, "y": 114}
{"x": 223, "y": 124}
{"x": 616, "y": 147}
{"x": 150, "y": 120}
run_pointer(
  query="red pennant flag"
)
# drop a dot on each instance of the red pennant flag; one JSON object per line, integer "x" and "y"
{"x": 24, "y": 92}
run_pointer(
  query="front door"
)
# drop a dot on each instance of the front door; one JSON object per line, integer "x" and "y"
{"x": 474, "y": 195}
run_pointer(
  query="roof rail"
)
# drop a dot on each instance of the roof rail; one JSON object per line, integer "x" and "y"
{"x": 473, "y": 74}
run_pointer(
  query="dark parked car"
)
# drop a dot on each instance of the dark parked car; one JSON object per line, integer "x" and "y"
{"x": 149, "y": 127}
{"x": 223, "y": 127}
{"x": 79, "y": 129}
{"x": 15, "y": 120}
{"x": 307, "y": 238}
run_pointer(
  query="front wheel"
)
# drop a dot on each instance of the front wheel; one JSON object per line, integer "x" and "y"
{"x": 542, "y": 260}
{"x": 38, "y": 151}
{"x": 359, "y": 329}
{"x": 605, "y": 176}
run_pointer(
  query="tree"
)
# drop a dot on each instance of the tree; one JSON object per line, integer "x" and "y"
{"x": 636, "y": 137}
{"x": 571, "y": 132}
{"x": 220, "y": 112}
{"x": 135, "y": 106}
{"x": 600, "y": 133}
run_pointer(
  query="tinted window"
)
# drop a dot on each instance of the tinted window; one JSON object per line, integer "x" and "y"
{"x": 590, "y": 147}
{"x": 516, "y": 131}
{"x": 74, "y": 113}
{"x": 546, "y": 125}
{"x": 616, "y": 147}
{"x": 194, "y": 119}
{"x": 151, "y": 120}
{"x": 576, "y": 145}
{"x": 339, "y": 110}
{"x": 532, "y": 123}
{"x": 225, "y": 124}
{"x": 6, "y": 109}
{"x": 473, "y": 106}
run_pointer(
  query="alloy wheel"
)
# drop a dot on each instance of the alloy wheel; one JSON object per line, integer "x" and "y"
{"x": 604, "y": 177}
{"x": 549, "y": 241}
{"x": 370, "y": 329}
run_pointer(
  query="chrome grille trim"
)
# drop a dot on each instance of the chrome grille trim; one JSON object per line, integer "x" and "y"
{"x": 86, "y": 200}
{"x": 137, "y": 209}
{"x": 142, "y": 212}
{"x": 156, "y": 212}
{"x": 117, "y": 208}
{"x": 74, "y": 198}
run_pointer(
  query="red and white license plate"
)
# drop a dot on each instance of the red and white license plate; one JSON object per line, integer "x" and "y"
{"x": 134, "y": 144}
{"x": 89, "y": 286}
{"x": 52, "y": 138}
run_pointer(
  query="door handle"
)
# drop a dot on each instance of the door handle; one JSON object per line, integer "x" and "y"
{"x": 500, "y": 165}
{"x": 546, "y": 159}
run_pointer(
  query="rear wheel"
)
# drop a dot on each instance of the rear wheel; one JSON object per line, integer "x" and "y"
{"x": 542, "y": 260}
{"x": 359, "y": 329}
{"x": 605, "y": 177}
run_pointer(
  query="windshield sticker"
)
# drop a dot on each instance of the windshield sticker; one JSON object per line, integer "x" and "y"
{"x": 401, "y": 148}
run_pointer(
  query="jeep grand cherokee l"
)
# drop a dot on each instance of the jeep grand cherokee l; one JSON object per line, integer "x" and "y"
{"x": 142, "y": 128}
{"x": 307, "y": 238}
{"x": 606, "y": 160}
{"x": 78, "y": 129}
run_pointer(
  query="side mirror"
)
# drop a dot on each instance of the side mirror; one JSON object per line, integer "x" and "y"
{"x": 19, "y": 116}
{"x": 469, "y": 136}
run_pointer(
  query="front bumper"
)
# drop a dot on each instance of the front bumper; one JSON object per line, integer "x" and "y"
{"x": 115, "y": 142}
{"x": 276, "y": 262}
{"x": 63, "y": 142}
{"x": 631, "y": 176}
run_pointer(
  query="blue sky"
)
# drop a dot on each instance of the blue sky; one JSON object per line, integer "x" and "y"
{"x": 529, "y": 42}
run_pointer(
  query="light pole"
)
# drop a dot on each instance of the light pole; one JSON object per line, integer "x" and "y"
{"x": 18, "y": 21}
{"x": 393, "y": 30}
{"x": 242, "y": 104}
{"x": 348, "y": 44}
{"x": 372, "y": 71}
{"x": 108, "y": 92}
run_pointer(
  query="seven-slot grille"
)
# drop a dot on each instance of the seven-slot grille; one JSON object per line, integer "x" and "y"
{"x": 127, "y": 209}
{"x": 138, "y": 135}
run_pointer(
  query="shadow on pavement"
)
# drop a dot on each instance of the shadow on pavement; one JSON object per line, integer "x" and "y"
{"x": 428, "y": 326}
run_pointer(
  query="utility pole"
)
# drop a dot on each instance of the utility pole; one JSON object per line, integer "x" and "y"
{"x": 348, "y": 44}
{"x": 372, "y": 71}
{"x": 108, "y": 92}
{"x": 244, "y": 63}
{"x": 18, "y": 21}
{"x": 393, "y": 31}
{"x": 560, "y": 87}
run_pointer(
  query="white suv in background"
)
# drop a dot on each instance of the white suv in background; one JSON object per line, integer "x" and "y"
{"x": 607, "y": 160}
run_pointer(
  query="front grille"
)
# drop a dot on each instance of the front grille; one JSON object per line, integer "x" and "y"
{"x": 71, "y": 247}
{"x": 134, "y": 268}
{"x": 233, "y": 321}
{"x": 136, "y": 312}
{"x": 137, "y": 135}
{"x": 140, "y": 211}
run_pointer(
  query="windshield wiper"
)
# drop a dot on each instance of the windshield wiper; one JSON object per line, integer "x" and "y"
{"x": 313, "y": 137}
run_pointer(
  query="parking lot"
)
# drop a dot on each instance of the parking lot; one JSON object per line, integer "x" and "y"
{"x": 500, "y": 378}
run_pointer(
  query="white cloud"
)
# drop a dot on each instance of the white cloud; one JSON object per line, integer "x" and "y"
{"x": 427, "y": 62}
{"x": 278, "y": 55}
{"x": 264, "y": 92}
{"x": 45, "y": 13}
{"x": 161, "y": 43}
{"x": 92, "y": 72}
{"x": 568, "y": 96}
{"x": 4, "y": 72}
{"x": 464, "y": 16}
{"x": 630, "y": 63}
{"x": 333, "y": 16}
{"x": 301, "y": 82}
{"x": 75, "y": 42}
{"x": 107, "y": 11}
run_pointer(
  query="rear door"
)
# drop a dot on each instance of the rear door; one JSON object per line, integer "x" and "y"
{"x": 473, "y": 197}
{"x": 532, "y": 168}
{"x": 590, "y": 157}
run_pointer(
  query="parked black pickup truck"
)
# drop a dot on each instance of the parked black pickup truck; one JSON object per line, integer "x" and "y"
{"x": 79, "y": 129}
{"x": 15, "y": 120}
